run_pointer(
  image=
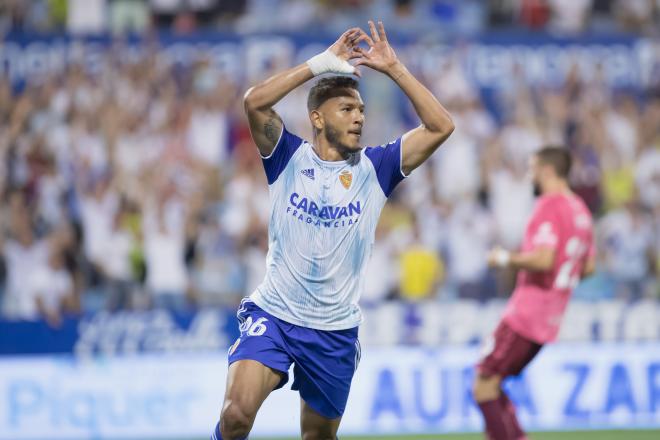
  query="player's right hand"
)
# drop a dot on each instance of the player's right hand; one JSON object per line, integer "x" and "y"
{"x": 345, "y": 44}
{"x": 335, "y": 58}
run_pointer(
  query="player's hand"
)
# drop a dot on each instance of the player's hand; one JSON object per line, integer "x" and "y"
{"x": 335, "y": 58}
{"x": 53, "y": 319}
{"x": 380, "y": 56}
{"x": 347, "y": 42}
{"x": 498, "y": 257}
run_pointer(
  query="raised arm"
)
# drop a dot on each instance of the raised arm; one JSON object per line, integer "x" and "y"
{"x": 419, "y": 143}
{"x": 265, "y": 123}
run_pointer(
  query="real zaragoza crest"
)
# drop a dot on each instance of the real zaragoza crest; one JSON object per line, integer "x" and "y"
{"x": 346, "y": 177}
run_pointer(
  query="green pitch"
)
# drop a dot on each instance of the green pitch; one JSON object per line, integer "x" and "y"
{"x": 580, "y": 435}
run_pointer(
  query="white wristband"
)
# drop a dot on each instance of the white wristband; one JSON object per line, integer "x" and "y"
{"x": 502, "y": 257}
{"x": 328, "y": 62}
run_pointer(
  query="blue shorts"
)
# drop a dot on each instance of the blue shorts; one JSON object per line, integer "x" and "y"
{"x": 324, "y": 361}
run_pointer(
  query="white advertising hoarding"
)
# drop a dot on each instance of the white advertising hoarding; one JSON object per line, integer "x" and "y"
{"x": 398, "y": 390}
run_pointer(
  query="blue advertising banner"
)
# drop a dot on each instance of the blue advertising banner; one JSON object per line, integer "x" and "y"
{"x": 426, "y": 324}
{"x": 123, "y": 333}
{"x": 489, "y": 61}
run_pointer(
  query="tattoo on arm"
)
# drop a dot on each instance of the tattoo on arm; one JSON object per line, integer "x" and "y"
{"x": 270, "y": 130}
{"x": 265, "y": 127}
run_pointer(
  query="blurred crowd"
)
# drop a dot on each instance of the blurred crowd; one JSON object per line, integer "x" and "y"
{"x": 404, "y": 17}
{"x": 139, "y": 186}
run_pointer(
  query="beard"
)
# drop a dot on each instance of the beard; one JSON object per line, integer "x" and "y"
{"x": 333, "y": 135}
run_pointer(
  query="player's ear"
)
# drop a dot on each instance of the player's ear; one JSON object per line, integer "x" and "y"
{"x": 546, "y": 170}
{"x": 317, "y": 120}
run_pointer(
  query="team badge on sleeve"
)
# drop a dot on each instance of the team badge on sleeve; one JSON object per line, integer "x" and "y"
{"x": 346, "y": 177}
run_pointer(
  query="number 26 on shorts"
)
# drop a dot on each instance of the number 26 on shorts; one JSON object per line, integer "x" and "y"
{"x": 256, "y": 328}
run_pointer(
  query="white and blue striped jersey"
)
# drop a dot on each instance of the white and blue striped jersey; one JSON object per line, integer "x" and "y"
{"x": 322, "y": 225}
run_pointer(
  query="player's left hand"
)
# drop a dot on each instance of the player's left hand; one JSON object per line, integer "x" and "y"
{"x": 498, "y": 257}
{"x": 380, "y": 56}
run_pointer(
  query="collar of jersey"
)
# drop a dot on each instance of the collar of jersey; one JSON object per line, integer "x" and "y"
{"x": 327, "y": 163}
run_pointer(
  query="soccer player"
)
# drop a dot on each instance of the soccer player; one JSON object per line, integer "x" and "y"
{"x": 326, "y": 198}
{"x": 557, "y": 251}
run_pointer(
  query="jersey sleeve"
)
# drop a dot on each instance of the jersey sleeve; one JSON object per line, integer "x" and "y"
{"x": 544, "y": 230}
{"x": 278, "y": 159}
{"x": 387, "y": 163}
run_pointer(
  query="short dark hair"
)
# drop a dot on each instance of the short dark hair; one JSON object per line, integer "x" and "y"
{"x": 557, "y": 157}
{"x": 327, "y": 88}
